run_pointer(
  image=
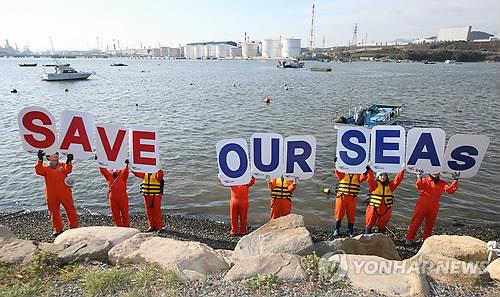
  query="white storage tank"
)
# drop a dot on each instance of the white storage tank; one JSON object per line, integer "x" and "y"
{"x": 291, "y": 48}
{"x": 235, "y": 52}
{"x": 199, "y": 51}
{"x": 271, "y": 48}
{"x": 189, "y": 51}
{"x": 249, "y": 49}
{"x": 221, "y": 50}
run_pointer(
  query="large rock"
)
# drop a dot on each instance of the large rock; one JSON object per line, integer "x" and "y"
{"x": 86, "y": 250}
{"x": 227, "y": 255}
{"x": 285, "y": 267}
{"x": 494, "y": 269}
{"x": 188, "y": 259}
{"x": 374, "y": 244}
{"x": 454, "y": 259}
{"x": 6, "y": 233}
{"x": 13, "y": 250}
{"x": 372, "y": 273}
{"x": 115, "y": 235}
{"x": 284, "y": 235}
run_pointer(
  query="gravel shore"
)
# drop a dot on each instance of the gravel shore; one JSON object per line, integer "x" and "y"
{"x": 36, "y": 226}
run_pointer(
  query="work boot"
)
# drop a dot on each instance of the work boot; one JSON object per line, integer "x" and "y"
{"x": 368, "y": 230}
{"x": 336, "y": 231}
{"x": 162, "y": 231}
{"x": 55, "y": 233}
{"x": 151, "y": 229}
{"x": 350, "y": 229}
{"x": 408, "y": 242}
{"x": 381, "y": 231}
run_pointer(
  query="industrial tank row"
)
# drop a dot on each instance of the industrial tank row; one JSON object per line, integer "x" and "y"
{"x": 271, "y": 48}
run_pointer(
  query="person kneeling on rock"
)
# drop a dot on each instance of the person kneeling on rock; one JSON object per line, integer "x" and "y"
{"x": 379, "y": 208}
{"x": 152, "y": 190}
{"x": 281, "y": 196}
{"x": 117, "y": 194}
{"x": 58, "y": 190}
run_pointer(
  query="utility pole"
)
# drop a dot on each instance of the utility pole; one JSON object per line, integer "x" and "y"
{"x": 355, "y": 35}
{"x": 311, "y": 38}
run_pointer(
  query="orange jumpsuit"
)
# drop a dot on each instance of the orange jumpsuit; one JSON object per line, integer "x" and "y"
{"x": 382, "y": 214}
{"x": 57, "y": 193}
{"x": 427, "y": 206}
{"x": 117, "y": 195}
{"x": 346, "y": 204}
{"x": 152, "y": 203}
{"x": 281, "y": 197}
{"x": 238, "y": 207}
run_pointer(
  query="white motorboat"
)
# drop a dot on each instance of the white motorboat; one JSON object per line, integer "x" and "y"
{"x": 292, "y": 63}
{"x": 64, "y": 72}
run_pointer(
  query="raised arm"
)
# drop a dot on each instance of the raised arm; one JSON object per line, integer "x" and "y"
{"x": 292, "y": 186}
{"x": 125, "y": 173}
{"x": 105, "y": 172}
{"x": 422, "y": 184}
{"x": 39, "y": 168}
{"x": 138, "y": 174}
{"x": 452, "y": 188}
{"x": 397, "y": 180}
{"x": 371, "y": 180}
{"x": 251, "y": 182}
{"x": 68, "y": 168}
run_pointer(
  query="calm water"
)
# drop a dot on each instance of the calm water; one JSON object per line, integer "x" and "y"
{"x": 197, "y": 103}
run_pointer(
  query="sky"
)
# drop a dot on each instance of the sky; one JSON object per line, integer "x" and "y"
{"x": 76, "y": 24}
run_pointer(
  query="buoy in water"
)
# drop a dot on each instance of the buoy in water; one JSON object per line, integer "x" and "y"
{"x": 267, "y": 100}
{"x": 13, "y": 91}
{"x": 190, "y": 84}
{"x": 66, "y": 90}
{"x": 326, "y": 190}
{"x": 136, "y": 104}
{"x": 286, "y": 89}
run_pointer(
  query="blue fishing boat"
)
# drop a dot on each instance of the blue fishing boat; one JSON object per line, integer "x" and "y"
{"x": 368, "y": 117}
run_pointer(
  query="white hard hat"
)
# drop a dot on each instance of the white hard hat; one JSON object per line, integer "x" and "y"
{"x": 69, "y": 181}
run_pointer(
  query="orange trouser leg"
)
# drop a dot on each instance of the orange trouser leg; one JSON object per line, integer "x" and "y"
{"x": 351, "y": 208}
{"x": 384, "y": 215}
{"x": 418, "y": 216}
{"x": 280, "y": 207}
{"x": 149, "y": 204}
{"x": 55, "y": 213}
{"x": 158, "y": 218}
{"x": 370, "y": 216}
{"x": 235, "y": 213}
{"x": 339, "y": 208}
{"x": 69, "y": 207}
{"x": 430, "y": 220}
{"x": 119, "y": 209}
{"x": 243, "y": 218}
{"x": 124, "y": 211}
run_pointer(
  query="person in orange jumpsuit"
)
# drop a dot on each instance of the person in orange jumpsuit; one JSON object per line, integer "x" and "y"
{"x": 379, "y": 209}
{"x": 152, "y": 190}
{"x": 57, "y": 191}
{"x": 281, "y": 196}
{"x": 346, "y": 199}
{"x": 117, "y": 194}
{"x": 238, "y": 208}
{"x": 431, "y": 188}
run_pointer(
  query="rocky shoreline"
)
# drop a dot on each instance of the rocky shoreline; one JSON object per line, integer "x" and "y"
{"x": 36, "y": 226}
{"x": 201, "y": 251}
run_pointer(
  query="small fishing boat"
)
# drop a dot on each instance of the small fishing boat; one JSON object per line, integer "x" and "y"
{"x": 63, "y": 72}
{"x": 54, "y": 65}
{"x": 292, "y": 63}
{"x": 368, "y": 117}
{"x": 321, "y": 69}
{"x": 27, "y": 65}
{"x": 118, "y": 64}
{"x": 428, "y": 62}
